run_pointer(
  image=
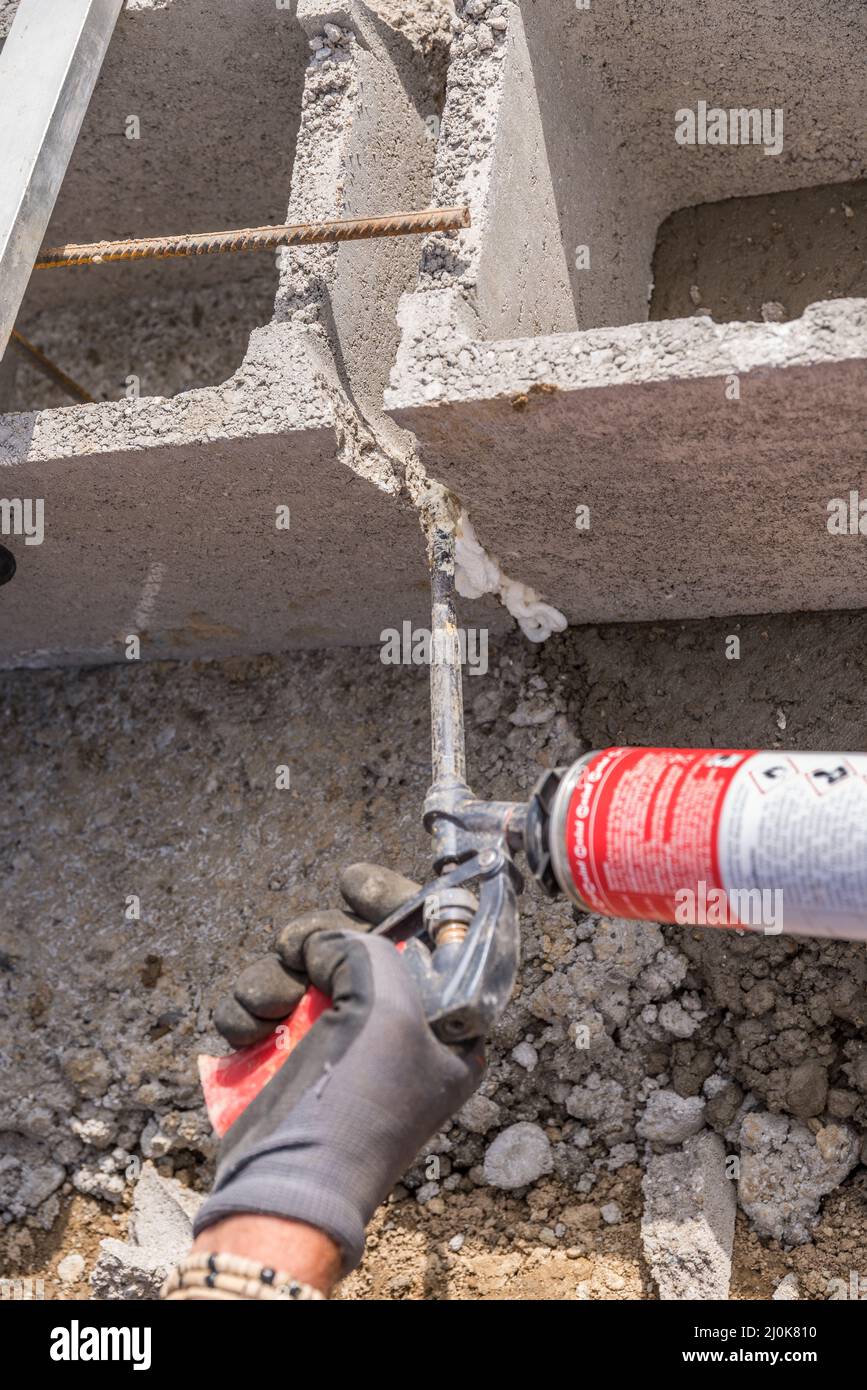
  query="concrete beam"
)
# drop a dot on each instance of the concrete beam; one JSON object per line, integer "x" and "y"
{"x": 700, "y": 501}
{"x": 48, "y": 69}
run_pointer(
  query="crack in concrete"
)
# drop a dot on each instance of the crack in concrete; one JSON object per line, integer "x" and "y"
{"x": 363, "y": 449}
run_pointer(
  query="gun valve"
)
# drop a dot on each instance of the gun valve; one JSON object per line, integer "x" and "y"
{"x": 448, "y": 915}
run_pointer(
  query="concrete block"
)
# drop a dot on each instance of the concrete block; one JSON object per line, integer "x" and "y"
{"x": 192, "y": 127}
{"x": 161, "y": 513}
{"x": 623, "y": 469}
{"x": 688, "y": 1222}
{"x": 698, "y": 505}
{"x": 704, "y": 455}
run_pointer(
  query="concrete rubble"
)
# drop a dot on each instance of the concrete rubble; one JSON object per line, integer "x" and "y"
{"x": 786, "y": 1169}
{"x": 160, "y": 1231}
{"x": 163, "y": 778}
{"x": 688, "y": 1225}
{"x": 709, "y": 1069}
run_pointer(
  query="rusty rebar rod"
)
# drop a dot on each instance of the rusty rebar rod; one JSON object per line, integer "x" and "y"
{"x": 257, "y": 238}
{"x": 49, "y": 368}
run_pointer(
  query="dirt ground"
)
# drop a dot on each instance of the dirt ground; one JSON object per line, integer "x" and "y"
{"x": 410, "y": 1251}
{"x": 162, "y": 778}
{"x": 786, "y": 250}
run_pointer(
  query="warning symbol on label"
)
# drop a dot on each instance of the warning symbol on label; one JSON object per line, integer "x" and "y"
{"x": 774, "y": 775}
{"x": 823, "y": 778}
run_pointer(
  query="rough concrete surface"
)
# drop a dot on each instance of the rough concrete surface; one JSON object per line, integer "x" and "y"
{"x": 609, "y": 81}
{"x": 157, "y": 782}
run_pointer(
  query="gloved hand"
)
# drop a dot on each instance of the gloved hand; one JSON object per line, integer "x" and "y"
{"x": 328, "y": 1137}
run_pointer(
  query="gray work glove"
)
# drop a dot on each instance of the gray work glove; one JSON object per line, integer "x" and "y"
{"x": 328, "y": 1137}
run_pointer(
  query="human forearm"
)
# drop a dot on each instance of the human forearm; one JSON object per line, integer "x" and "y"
{"x": 299, "y": 1250}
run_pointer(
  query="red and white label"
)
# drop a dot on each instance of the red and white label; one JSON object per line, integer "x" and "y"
{"x": 723, "y": 837}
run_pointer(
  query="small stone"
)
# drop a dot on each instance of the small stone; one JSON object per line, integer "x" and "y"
{"x": 71, "y": 1268}
{"x": 479, "y": 1115}
{"x": 787, "y": 1290}
{"x": 97, "y": 1132}
{"x": 88, "y": 1071}
{"x": 670, "y": 1118}
{"x": 426, "y": 1192}
{"x": 773, "y": 312}
{"x": 723, "y": 1104}
{"x": 807, "y": 1090}
{"x": 101, "y": 1182}
{"x": 520, "y": 1155}
{"x": 456, "y": 1243}
{"x": 842, "y": 1104}
{"x": 526, "y": 1056}
{"x": 611, "y": 1214}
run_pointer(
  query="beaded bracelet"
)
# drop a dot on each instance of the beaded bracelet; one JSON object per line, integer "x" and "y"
{"x": 202, "y": 1276}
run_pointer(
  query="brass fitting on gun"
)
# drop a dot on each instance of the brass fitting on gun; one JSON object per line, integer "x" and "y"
{"x": 448, "y": 915}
